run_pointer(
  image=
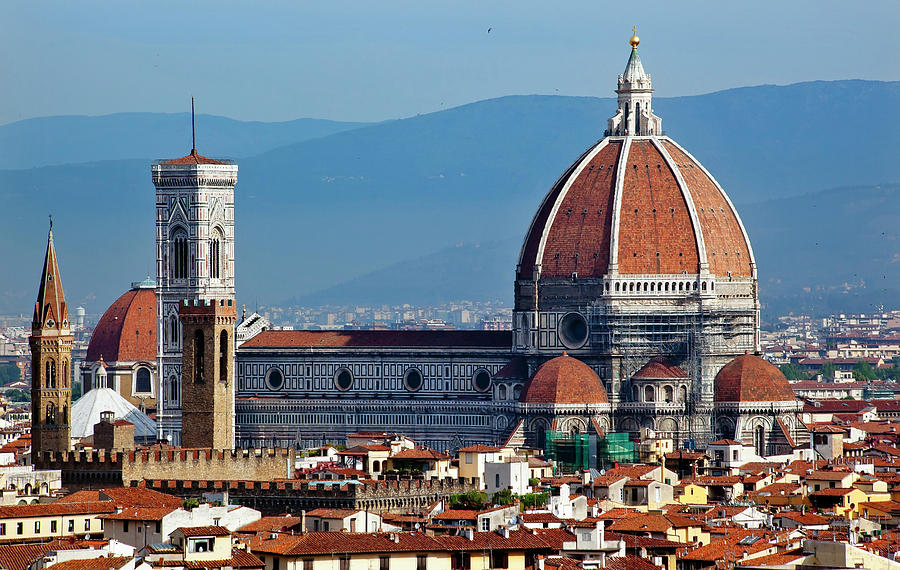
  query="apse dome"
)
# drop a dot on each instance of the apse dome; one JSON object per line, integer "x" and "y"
{"x": 564, "y": 380}
{"x": 749, "y": 378}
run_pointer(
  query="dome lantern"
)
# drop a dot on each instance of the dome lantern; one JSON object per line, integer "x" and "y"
{"x": 635, "y": 113}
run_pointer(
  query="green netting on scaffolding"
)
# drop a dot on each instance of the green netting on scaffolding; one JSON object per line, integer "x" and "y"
{"x": 571, "y": 452}
{"x": 616, "y": 447}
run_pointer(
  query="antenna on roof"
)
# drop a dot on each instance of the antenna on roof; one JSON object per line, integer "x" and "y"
{"x": 193, "y": 129}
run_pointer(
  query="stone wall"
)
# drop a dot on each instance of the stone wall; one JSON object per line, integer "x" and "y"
{"x": 102, "y": 468}
{"x": 278, "y": 497}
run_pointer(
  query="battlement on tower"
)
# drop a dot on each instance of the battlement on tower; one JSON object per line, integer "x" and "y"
{"x": 85, "y": 468}
{"x": 201, "y": 310}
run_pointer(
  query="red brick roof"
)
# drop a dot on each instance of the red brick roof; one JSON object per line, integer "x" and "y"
{"x": 192, "y": 158}
{"x": 101, "y": 563}
{"x": 564, "y": 380}
{"x": 375, "y": 339}
{"x": 749, "y": 378}
{"x": 21, "y": 556}
{"x": 271, "y": 524}
{"x": 55, "y": 509}
{"x": 124, "y": 497}
{"x": 571, "y": 231}
{"x": 204, "y": 531}
{"x": 660, "y": 368}
{"x": 139, "y": 514}
{"x": 419, "y": 453}
{"x": 332, "y": 513}
{"x": 127, "y": 330}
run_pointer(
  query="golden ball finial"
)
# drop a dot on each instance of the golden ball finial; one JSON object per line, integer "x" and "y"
{"x": 635, "y": 40}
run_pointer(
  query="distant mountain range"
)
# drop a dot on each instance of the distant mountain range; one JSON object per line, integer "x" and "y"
{"x": 371, "y": 213}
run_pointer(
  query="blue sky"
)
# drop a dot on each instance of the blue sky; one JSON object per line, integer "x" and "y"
{"x": 280, "y": 60}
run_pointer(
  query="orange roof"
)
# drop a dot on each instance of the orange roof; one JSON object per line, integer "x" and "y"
{"x": 749, "y": 378}
{"x": 100, "y": 563}
{"x": 564, "y": 380}
{"x": 192, "y": 158}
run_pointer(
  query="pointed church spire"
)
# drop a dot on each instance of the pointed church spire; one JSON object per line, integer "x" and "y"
{"x": 635, "y": 113}
{"x": 50, "y": 311}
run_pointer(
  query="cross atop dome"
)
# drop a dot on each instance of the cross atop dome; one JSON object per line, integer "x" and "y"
{"x": 635, "y": 113}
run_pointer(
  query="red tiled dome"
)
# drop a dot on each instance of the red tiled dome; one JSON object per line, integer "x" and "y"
{"x": 660, "y": 368}
{"x": 127, "y": 330}
{"x": 663, "y": 195}
{"x": 749, "y": 378}
{"x": 564, "y": 380}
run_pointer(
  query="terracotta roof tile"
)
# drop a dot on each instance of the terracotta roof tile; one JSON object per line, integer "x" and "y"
{"x": 377, "y": 339}
{"x": 564, "y": 380}
{"x": 127, "y": 330}
{"x": 749, "y": 378}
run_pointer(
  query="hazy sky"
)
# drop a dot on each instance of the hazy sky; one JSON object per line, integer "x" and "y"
{"x": 359, "y": 60}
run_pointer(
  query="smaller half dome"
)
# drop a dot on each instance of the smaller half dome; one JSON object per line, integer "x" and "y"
{"x": 749, "y": 378}
{"x": 660, "y": 368}
{"x": 564, "y": 380}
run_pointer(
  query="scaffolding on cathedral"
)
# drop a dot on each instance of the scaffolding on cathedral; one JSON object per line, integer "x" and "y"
{"x": 570, "y": 451}
{"x": 616, "y": 448}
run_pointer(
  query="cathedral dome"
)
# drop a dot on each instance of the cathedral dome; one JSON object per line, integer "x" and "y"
{"x": 127, "y": 330}
{"x": 564, "y": 380}
{"x": 640, "y": 206}
{"x": 749, "y": 378}
{"x": 660, "y": 368}
{"x": 635, "y": 204}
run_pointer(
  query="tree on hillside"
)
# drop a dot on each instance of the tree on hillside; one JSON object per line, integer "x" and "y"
{"x": 792, "y": 372}
{"x": 862, "y": 370}
{"x": 827, "y": 371}
{"x": 9, "y": 373}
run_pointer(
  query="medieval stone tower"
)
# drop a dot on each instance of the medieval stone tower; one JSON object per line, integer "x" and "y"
{"x": 194, "y": 260}
{"x": 207, "y": 404}
{"x": 51, "y": 360}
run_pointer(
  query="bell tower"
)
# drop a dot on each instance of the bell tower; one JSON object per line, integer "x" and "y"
{"x": 194, "y": 260}
{"x": 51, "y": 360}
{"x": 207, "y": 407}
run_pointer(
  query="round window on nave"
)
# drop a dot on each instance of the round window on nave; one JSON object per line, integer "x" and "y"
{"x": 482, "y": 380}
{"x": 343, "y": 379}
{"x": 413, "y": 379}
{"x": 274, "y": 379}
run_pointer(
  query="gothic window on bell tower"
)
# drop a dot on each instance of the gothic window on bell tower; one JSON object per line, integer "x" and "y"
{"x": 179, "y": 255}
{"x": 215, "y": 255}
{"x": 51, "y": 415}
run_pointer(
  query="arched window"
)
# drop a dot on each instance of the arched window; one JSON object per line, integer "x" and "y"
{"x": 648, "y": 394}
{"x": 670, "y": 394}
{"x": 759, "y": 440}
{"x": 50, "y": 373}
{"x": 198, "y": 356}
{"x": 223, "y": 356}
{"x": 497, "y": 480}
{"x": 179, "y": 254}
{"x": 215, "y": 254}
{"x": 683, "y": 391}
{"x": 635, "y": 394}
{"x": 64, "y": 379}
{"x": 64, "y": 419}
{"x": 501, "y": 392}
{"x": 376, "y": 466}
{"x": 173, "y": 390}
{"x": 51, "y": 414}
{"x": 174, "y": 335}
{"x": 142, "y": 380}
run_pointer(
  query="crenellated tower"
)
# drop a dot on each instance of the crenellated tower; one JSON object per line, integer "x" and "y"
{"x": 194, "y": 260}
{"x": 51, "y": 360}
{"x": 207, "y": 408}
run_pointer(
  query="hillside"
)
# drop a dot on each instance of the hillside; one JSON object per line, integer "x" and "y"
{"x": 48, "y": 141}
{"x": 325, "y": 211}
